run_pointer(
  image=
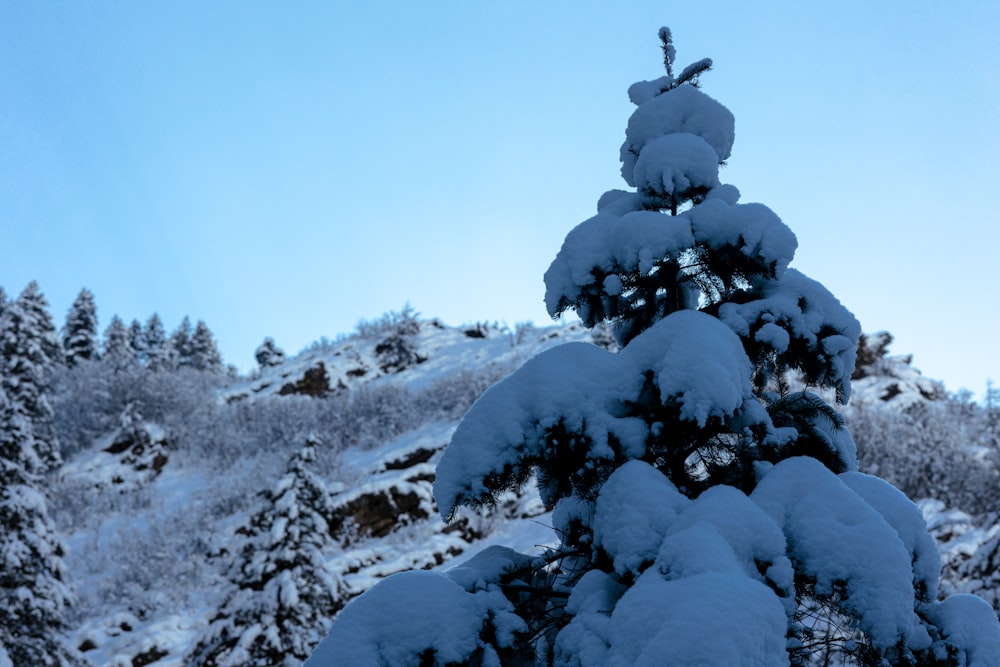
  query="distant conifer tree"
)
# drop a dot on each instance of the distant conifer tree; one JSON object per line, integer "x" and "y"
{"x": 118, "y": 350}
{"x": 137, "y": 339}
{"x": 204, "y": 353}
{"x": 29, "y": 350}
{"x": 179, "y": 344}
{"x": 155, "y": 340}
{"x": 79, "y": 335}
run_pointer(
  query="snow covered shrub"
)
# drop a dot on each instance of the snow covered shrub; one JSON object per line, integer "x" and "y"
{"x": 127, "y": 570}
{"x": 89, "y": 397}
{"x": 980, "y": 573}
{"x": 872, "y": 351}
{"x": 397, "y": 351}
{"x": 405, "y": 320}
{"x": 932, "y": 449}
{"x": 378, "y": 413}
{"x": 82, "y": 410}
{"x": 706, "y": 514}
{"x": 269, "y": 354}
{"x": 450, "y": 397}
{"x": 268, "y": 425}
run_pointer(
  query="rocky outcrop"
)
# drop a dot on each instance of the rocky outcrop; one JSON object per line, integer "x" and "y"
{"x": 314, "y": 382}
{"x": 879, "y": 376}
{"x": 375, "y": 510}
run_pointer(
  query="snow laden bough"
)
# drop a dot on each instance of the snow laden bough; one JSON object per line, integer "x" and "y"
{"x": 706, "y": 514}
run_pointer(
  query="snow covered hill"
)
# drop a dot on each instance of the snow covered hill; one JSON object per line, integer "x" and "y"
{"x": 152, "y": 519}
{"x": 148, "y": 551}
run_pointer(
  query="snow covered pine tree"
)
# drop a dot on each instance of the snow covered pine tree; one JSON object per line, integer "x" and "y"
{"x": 33, "y": 592}
{"x": 707, "y": 514}
{"x": 118, "y": 352}
{"x": 29, "y": 350}
{"x": 284, "y": 597}
{"x": 204, "y": 352}
{"x": 79, "y": 336}
{"x": 154, "y": 340}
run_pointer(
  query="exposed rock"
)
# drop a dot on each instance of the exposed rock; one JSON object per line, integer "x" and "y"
{"x": 889, "y": 378}
{"x": 315, "y": 382}
{"x": 411, "y": 458}
{"x": 149, "y": 657}
{"x": 479, "y": 331}
{"x": 421, "y": 475}
{"x": 376, "y": 509}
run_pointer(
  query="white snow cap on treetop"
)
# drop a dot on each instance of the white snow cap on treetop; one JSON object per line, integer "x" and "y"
{"x": 682, "y": 109}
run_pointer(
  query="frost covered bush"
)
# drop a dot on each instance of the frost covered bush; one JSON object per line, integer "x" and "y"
{"x": 406, "y": 321}
{"x": 128, "y": 568}
{"x": 450, "y": 397}
{"x": 938, "y": 449}
{"x": 375, "y": 414}
{"x": 980, "y": 572}
{"x": 269, "y": 354}
{"x": 276, "y": 425}
{"x": 397, "y": 350}
{"x": 270, "y": 426}
{"x": 705, "y": 513}
{"x": 89, "y": 397}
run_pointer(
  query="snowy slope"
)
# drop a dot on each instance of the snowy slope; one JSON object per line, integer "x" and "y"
{"x": 385, "y": 519}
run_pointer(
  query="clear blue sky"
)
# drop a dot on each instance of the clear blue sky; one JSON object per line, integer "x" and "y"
{"x": 285, "y": 169}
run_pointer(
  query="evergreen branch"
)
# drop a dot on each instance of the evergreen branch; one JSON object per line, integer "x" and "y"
{"x": 669, "y": 53}
{"x": 693, "y": 71}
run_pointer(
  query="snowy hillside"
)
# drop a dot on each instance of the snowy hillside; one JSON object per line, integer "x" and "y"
{"x": 148, "y": 552}
{"x": 154, "y": 509}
